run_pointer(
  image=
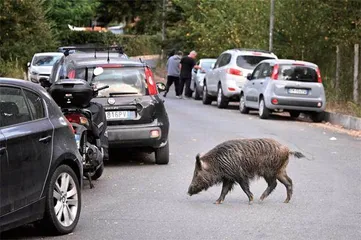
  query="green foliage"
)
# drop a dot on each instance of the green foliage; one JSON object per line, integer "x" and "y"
{"x": 73, "y": 12}
{"x": 24, "y": 30}
{"x": 133, "y": 44}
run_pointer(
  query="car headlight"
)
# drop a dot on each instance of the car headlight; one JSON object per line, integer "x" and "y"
{"x": 34, "y": 72}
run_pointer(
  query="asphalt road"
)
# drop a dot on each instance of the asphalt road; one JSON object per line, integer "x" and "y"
{"x": 139, "y": 200}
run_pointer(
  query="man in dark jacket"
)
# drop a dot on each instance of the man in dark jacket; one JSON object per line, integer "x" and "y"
{"x": 173, "y": 72}
{"x": 187, "y": 64}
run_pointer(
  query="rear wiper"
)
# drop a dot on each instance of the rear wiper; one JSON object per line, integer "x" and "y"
{"x": 121, "y": 93}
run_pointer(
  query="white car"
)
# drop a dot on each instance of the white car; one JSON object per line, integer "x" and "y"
{"x": 41, "y": 65}
{"x": 198, "y": 76}
{"x": 226, "y": 80}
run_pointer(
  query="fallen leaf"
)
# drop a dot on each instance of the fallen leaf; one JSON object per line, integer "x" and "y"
{"x": 333, "y": 139}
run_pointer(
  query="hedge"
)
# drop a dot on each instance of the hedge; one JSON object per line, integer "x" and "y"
{"x": 133, "y": 45}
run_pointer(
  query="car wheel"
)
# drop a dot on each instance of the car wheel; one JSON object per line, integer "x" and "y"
{"x": 317, "y": 116}
{"x": 63, "y": 201}
{"x": 162, "y": 154}
{"x": 242, "y": 105}
{"x": 222, "y": 101}
{"x": 196, "y": 93}
{"x": 206, "y": 98}
{"x": 295, "y": 114}
{"x": 263, "y": 110}
{"x": 98, "y": 173}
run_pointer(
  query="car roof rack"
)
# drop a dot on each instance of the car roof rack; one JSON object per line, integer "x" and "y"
{"x": 95, "y": 49}
{"x": 254, "y": 50}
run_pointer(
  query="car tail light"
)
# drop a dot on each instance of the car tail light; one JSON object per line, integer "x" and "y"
{"x": 231, "y": 89}
{"x": 274, "y": 75}
{"x": 77, "y": 118}
{"x": 154, "y": 134}
{"x": 70, "y": 126}
{"x": 274, "y": 101}
{"x": 152, "y": 87}
{"x": 319, "y": 79}
{"x": 234, "y": 71}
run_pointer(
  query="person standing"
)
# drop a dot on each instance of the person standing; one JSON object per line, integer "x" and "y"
{"x": 173, "y": 71}
{"x": 187, "y": 64}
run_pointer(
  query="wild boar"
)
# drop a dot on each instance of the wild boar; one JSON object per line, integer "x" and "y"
{"x": 239, "y": 161}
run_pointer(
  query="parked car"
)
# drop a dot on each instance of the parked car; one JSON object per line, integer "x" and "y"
{"x": 289, "y": 85}
{"x": 198, "y": 76}
{"x": 40, "y": 66}
{"x": 136, "y": 115}
{"x": 225, "y": 81}
{"x": 41, "y": 169}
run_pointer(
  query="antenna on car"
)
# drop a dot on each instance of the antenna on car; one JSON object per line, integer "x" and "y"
{"x": 108, "y": 55}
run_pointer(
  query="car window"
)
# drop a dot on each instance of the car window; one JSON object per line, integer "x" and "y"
{"x": 121, "y": 80}
{"x": 36, "y": 104}
{"x": 13, "y": 108}
{"x": 45, "y": 60}
{"x": 207, "y": 65}
{"x": 225, "y": 59}
{"x": 266, "y": 71}
{"x": 249, "y": 62}
{"x": 300, "y": 73}
{"x": 219, "y": 59}
{"x": 257, "y": 72}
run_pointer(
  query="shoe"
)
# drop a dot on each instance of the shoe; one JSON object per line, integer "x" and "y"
{"x": 165, "y": 95}
{"x": 180, "y": 97}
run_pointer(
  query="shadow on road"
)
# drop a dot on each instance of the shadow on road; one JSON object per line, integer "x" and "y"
{"x": 30, "y": 231}
{"x": 129, "y": 157}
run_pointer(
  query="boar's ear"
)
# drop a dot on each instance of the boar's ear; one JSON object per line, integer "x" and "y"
{"x": 201, "y": 164}
{"x": 198, "y": 161}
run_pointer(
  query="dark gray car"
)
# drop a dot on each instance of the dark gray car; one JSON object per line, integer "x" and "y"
{"x": 41, "y": 169}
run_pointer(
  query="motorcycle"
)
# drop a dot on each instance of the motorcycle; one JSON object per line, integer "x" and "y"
{"x": 88, "y": 120}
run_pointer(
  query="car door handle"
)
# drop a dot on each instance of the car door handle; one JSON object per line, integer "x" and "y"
{"x": 2, "y": 150}
{"x": 261, "y": 82}
{"x": 45, "y": 139}
{"x": 253, "y": 83}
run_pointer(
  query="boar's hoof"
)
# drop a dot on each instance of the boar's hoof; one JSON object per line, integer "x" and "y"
{"x": 250, "y": 202}
{"x": 218, "y": 202}
{"x": 287, "y": 201}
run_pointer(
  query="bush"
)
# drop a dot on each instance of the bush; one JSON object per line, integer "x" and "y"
{"x": 133, "y": 44}
{"x": 11, "y": 69}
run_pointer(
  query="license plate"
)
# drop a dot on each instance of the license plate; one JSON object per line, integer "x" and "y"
{"x": 298, "y": 91}
{"x": 113, "y": 115}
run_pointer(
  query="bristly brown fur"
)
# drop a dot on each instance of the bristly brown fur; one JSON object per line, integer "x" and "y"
{"x": 239, "y": 161}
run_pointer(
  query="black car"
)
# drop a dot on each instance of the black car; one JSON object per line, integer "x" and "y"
{"x": 41, "y": 169}
{"x": 135, "y": 113}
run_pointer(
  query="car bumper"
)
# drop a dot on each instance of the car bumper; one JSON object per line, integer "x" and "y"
{"x": 307, "y": 105}
{"x": 233, "y": 86}
{"x": 136, "y": 136}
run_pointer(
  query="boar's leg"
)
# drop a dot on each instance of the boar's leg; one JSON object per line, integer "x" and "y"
{"x": 272, "y": 183}
{"x": 227, "y": 186}
{"x": 287, "y": 181}
{"x": 245, "y": 187}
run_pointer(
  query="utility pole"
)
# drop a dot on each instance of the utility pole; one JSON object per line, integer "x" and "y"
{"x": 271, "y": 23}
{"x": 163, "y": 27}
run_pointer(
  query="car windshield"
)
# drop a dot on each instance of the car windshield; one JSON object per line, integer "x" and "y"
{"x": 207, "y": 65}
{"x": 121, "y": 80}
{"x": 250, "y": 62}
{"x": 45, "y": 60}
{"x": 290, "y": 72}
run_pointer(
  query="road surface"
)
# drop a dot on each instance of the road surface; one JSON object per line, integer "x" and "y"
{"x": 139, "y": 200}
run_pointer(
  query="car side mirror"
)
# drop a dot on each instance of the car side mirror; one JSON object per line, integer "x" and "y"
{"x": 249, "y": 76}
{"x": 45, "y": 83}
{"x": 213, "y": 65}
{"x": 28, "y": 64}
{"x": 161, "y": 86}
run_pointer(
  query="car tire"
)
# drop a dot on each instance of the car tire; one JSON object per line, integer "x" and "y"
{"x": 98, "y": 173}
{"x": 263, "y": 111}
{"x": 222, "y": 101}
{"x": 196, "y": 93}
{"x": 317, "y": 116}
{"x": 295, "y": 114}
{"x": 63, "y": 198}
{"x": 162, "y": 155}
{"x": 242, "y": 105}
{"x": 206, "y": 99}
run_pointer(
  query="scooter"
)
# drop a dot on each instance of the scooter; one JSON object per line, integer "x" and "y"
{"x": 88, "y": 121}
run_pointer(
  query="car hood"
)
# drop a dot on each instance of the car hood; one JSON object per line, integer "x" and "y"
{"x": 42, "y": 69}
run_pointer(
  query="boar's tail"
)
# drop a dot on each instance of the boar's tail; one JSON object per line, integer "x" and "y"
{"x": 297, "y": 154}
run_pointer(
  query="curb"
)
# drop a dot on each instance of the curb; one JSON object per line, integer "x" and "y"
{"x": 346, "y": 121}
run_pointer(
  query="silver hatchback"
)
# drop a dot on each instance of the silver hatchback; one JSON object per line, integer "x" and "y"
{"x": 284, "y": 85}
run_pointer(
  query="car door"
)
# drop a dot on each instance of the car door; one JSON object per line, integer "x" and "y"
{"x": 28, "y": 134}
{"x": 5, "y": 183}
{"x": 212, "y": 76}
{"x": 251, "y": 92}
{"x": 223, "y": 67}
{"x": 194, "y": 77}
{"x": 264, "y": 77}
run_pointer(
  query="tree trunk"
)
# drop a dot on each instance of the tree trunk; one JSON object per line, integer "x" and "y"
{"x": 355, "y": 74}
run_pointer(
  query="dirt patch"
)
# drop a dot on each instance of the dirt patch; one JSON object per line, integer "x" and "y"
{"x": 337, "y": 128}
